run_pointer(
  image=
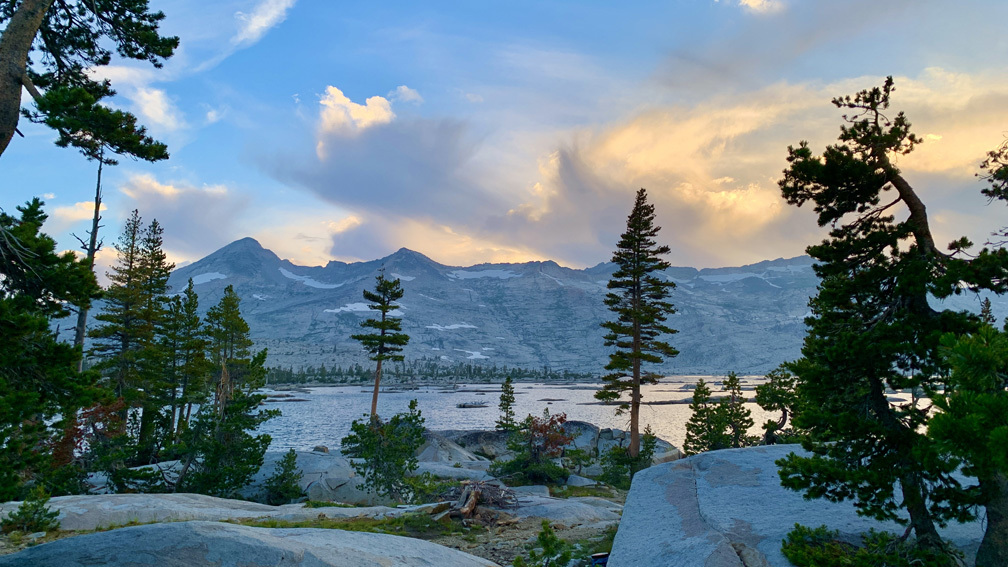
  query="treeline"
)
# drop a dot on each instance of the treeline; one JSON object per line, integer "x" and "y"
{"x": 160, "y": 383}
{"x": 425, "y": 369}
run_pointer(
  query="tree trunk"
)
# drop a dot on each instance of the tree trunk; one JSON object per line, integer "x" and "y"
{"x": 374, "y": 396}
{"x": 91, "y": 250}
{"x": 993, "y": 550}
{"x": 15, "y": 43}
{"x": 920, "y": 517}
{"x": 634, "y": 449}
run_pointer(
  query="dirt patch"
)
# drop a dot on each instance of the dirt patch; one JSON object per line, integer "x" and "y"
{"x": 502, "y": 543}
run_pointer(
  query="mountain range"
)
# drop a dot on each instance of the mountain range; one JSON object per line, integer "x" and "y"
{"x": 531, "y": 315}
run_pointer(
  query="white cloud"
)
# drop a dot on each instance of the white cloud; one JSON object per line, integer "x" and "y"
{"x": 158, "y": 109}
{"x": 263, "y": 17}
{"x": 402, "y": 93}
{"x": 83, "y": 210}
{"x": 341, "y": 116}
{"x": 214, "y": 212}
{"x": 762, "y": 6}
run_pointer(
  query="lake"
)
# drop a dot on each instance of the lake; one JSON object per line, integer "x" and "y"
{"x": 325, "y": 417}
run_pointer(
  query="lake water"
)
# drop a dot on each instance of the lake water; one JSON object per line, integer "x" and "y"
{"x": 325, "y": 417}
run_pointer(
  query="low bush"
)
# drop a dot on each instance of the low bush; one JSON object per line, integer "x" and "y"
{"x": 537, "y": 444}
{"x": 283, "y": 485}
{"x": 387, "y": 450}
{"x": 821, "y": 547}
{"x": 33, "y": 515}
{"x": 548, "y": 551}
{"x": 619, "y": 468}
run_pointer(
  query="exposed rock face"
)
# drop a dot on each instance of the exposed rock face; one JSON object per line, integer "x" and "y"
{"x": 727, "y": 509}
{"x": 325, "y": 476}
{"x": 586, "y": 436}
{"x": 106, "y": 510}
{"x": 530, "y": 315}
{"x": 197, "y": 544}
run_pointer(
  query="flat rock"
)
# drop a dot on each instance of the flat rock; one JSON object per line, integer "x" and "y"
{"x": 463, "y": 472}
{"x": 575, "y": 480}
{"x": 568, "y": 511}
{"x": 439, "y": 449}
{"x": 84, "y": 512}
{"x": 197, "y": 544}
{"x": 715, "y": 508}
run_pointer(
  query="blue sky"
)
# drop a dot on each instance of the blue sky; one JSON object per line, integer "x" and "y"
{"x": 475, "y": 132}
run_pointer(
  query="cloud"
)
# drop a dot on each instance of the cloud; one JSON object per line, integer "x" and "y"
{"x": 305, "y": 238}
{"x": 70, "y": 217}
{"x": 762, "y": 6}
{"x": 264, "y": 16}
{"x": 421, "y": 166}
{"x": 340, "y": 116}
{"x": 402, "y": 93}
{"x": 462, "y": 195}
{"x": 158, "y": 109}
{"x": 380, "y": 235}
{"x": 213, "y": 212}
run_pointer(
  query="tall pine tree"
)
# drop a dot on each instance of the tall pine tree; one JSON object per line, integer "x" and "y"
{"x": 388, "y": 339}
{"x": 872, "y": 327}
{"x": 639, "y": 303}
{"x": 221, "y": 452}
{"x": 40, "y": 387}
{"x": 127, "y": 344}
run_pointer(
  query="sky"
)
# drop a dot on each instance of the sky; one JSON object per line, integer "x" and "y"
{"x": 505, "y": 132}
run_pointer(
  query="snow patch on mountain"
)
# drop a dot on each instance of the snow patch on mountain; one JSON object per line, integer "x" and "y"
{"x": 729, "y": 278}
{"x": 402, "y": 277}
{"x": 470, "y": 275}
{"x": 361, "y": 308}
{"x": 308, "y": 281}
{"x": 207, "y": 277}
{"x": 473, "y": 354}
{"x": 451, "y": 327}
{"x": 557, "y": 280}
{"x": 350, "y": 308}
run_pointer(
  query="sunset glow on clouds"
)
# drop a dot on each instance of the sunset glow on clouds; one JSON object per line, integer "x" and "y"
{"x": 344, "y": 132}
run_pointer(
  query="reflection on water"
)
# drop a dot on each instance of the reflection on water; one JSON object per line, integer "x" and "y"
{"x": 325, "y": 417}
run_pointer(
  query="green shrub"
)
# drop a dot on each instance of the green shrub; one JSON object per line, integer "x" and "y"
{"x": 428, "y": 488}
{"x": 33, "y": 515}
{"x": 388, "y": 452}
{"x": 282, "y": 486}
{"x": 821, "y": 547}
{"x": 549, "y": 550}
{"x": 619, "y": 468}
{"x": 536, "y": 444}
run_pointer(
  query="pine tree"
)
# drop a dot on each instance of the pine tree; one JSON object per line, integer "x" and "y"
{"x": 388, "y": 340}
{"x": 872, "y": 327}
{"x": 186, "y": 366}
{"x": 127, "y": 344}
{"x": 40, "y": 387}
{"x": 221, "y": 453}
{"x": 51, "y": 48}
{"x": 117, "y": 343}
{"x": 777, "y": 394}
{"x": 706, "y": 429}
{"x": 641, "y": 309}
{"x": 973, "y": 426}
{"x": 506, "y": 421}
{"x": 155, "y": 270}
{"x": 736, "y": 417}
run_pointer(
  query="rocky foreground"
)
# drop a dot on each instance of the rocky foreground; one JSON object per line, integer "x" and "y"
{"x": 185, "y": 529}
{"x": 719, "y": 509}
{"x": 728, "y": 509}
